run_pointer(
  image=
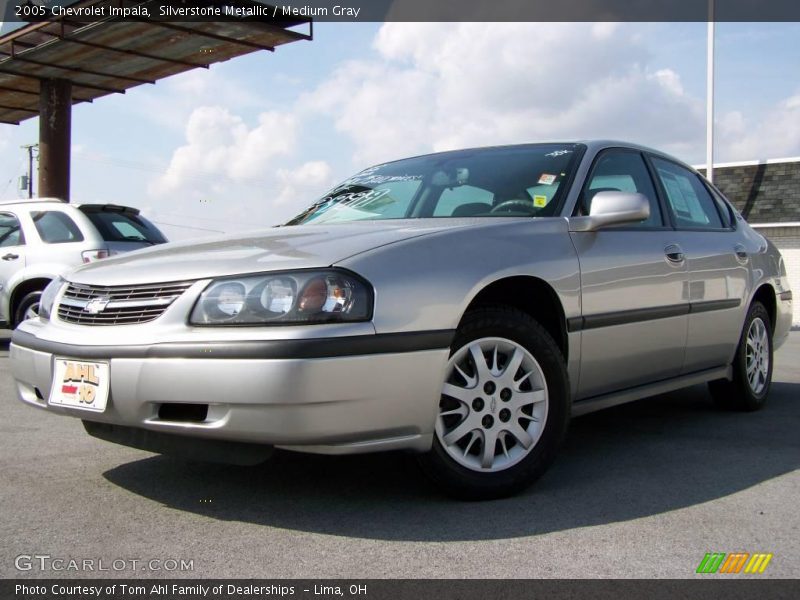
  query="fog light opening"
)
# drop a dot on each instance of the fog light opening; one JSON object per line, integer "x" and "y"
{"x": 182, "y": 412}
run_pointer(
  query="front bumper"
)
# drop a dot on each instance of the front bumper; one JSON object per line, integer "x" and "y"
{"x": 370, "y": 393}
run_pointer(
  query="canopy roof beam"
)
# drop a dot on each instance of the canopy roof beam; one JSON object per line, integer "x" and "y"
{"x": 174, "y": 61}
{"x": 212, "y": 36}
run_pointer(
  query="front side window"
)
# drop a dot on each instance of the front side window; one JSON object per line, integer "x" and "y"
{"x": 621, "y": 171}
{"x": 10, "y": 232}
{"x": 55, "y": 227}
{"x": 691, "y": 204}
{"x": 511, "y": 181}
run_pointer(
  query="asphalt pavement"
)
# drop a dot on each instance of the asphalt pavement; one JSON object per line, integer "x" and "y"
{"x": 642, "y": 490}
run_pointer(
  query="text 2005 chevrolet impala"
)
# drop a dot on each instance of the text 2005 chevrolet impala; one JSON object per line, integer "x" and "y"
{"x": 461, "y": 305}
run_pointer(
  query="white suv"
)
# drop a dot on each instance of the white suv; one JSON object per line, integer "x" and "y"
{"x": 41, "y": 239}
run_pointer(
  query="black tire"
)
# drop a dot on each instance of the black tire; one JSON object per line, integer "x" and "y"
{"x": 31, "y": 299}
{"x": 739, "y": 394}
{"x": 467, "y": 484}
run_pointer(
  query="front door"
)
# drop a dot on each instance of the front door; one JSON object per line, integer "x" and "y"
{"x": 633, "y": 287}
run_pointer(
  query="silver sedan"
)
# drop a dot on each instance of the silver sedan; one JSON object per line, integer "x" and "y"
{"x": 461, "y": 305}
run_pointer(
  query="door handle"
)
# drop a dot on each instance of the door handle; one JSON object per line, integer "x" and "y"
{"x": 674, "y": 253}
{"x": 741, "y": 252}
{"x": 10, "y": 256}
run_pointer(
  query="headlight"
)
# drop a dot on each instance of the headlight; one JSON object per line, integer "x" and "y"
{"x": 49, "y": 297}
{"x": 284, "y": 298}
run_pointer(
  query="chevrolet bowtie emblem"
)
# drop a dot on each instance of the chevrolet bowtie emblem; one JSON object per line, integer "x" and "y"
{"x": 96, "y": 305}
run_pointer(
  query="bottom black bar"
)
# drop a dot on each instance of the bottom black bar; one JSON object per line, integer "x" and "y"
{"x": 704, "y": 587}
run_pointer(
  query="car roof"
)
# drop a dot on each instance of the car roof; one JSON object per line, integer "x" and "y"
{"x": 55, "y": 201}
{"x": 32, "y": 201}
{"x": 593, "y": 145}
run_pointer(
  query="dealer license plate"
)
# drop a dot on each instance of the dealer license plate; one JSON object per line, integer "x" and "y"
{"x": 79, "y": 384}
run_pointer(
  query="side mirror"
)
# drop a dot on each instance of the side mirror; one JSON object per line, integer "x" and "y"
{"x": 612, "y": 208}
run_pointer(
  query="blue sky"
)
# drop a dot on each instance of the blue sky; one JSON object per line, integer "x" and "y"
{"x": 249, "y": 142}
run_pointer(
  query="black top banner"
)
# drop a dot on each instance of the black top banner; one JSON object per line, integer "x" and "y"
{"x": 408, "y": 10}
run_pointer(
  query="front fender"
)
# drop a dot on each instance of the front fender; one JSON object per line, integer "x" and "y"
{"x": 427, "y": 283}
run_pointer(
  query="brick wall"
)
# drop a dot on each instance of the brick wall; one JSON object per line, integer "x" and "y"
{"x": 765, "y": 193}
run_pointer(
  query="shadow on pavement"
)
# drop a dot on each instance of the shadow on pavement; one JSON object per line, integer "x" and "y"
{"x": 641, "y": 459}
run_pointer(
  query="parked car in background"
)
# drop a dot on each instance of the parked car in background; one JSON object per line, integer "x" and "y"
{"x": 462, "y": 305}
{"x": 42, "y": 239}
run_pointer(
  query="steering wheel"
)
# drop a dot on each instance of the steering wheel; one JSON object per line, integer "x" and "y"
{"x": 514, "y": 205}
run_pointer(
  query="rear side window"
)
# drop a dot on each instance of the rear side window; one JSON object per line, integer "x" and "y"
{"x": 124, "y": 226}
{"x": 724, "y": 210}
{"x": 56, "y": 227}
{"x": 10, "y": 233}
{"x": 691, "y": 203}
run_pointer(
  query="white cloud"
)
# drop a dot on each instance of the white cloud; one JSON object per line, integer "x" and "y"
{"x": 187, "y": 91}
{"x": 447, "y": 85}
{"x": 437, "y": 86}
{"x": 220, "y": 145}
{"x": 776, "y": 136}
{"x": 230, "y": 176}
{"x": 314, "y": 176}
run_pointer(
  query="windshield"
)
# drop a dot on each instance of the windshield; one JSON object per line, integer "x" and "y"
{"x": 489, "y": 182}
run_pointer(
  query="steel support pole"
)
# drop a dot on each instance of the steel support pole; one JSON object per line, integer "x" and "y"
{"x": 710, "y": 94}
{"x": 30, "y": 172}
{"x": 55, "y": 120}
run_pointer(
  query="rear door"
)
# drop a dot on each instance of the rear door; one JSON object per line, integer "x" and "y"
{"x": 633, "y": 287}
{"x": 718, "y": 264}
{"x": 62, "y": 240}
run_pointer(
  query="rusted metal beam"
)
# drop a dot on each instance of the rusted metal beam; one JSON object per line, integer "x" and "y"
{"x": 25, "y": 45}
{"x": 296, "y": 35}
{"x": 208, "y": 34}
{"x": 41, "y": 63}
{"x": 5, "y": 88}
{"x": 55, "y": 124}
{"x": 128, "y": 51}
{"x": 89, "y": 86}
{"x": 19, "y": 108}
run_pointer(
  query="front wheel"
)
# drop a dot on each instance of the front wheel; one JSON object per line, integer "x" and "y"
{"x": 752, "y": 366}
{"x": 504, "y": 406}
{"x": 28, "y": 307}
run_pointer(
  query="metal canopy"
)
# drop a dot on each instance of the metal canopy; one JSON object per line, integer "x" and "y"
{"x": 113, "y": 55}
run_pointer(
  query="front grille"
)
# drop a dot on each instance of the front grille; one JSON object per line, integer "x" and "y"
{"x": 118, "y": 305}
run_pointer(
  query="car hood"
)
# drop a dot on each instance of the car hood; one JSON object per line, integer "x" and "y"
{"x": 280, "y": 248}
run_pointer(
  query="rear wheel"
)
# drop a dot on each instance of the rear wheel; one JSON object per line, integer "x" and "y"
{"x": 28, "y": 307}
{"x": 504, "y": 406}
{"x": 752, "y": 366}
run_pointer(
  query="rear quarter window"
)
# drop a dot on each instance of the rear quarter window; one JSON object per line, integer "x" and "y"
{"x": 56, "y": 227}
{"x": 124, "y": 226}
